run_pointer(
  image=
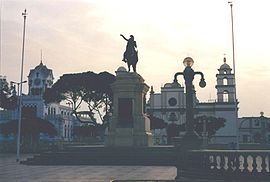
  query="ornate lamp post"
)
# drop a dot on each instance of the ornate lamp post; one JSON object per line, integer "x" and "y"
{"x": 189, "y": 74}
{"x": 18, "y": 85}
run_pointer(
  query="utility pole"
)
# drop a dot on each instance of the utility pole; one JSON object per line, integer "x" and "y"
{"x": 20, "y": 93}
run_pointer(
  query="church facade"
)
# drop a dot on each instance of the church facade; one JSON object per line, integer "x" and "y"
{"x": 170, "y": 105}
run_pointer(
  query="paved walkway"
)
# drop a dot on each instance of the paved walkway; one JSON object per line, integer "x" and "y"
{"x": 10, "y": 171}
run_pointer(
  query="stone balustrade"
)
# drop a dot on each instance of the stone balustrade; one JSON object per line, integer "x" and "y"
{"x": 241, "y": 165}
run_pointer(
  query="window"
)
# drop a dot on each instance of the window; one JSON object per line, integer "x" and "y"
{"x": 257, "y": 123}
{"x": 246, "y": 138}
{"x": 225, "y": 81}
{"x": 172, "y": 117}
{"x": 225, "y": 96}
{"x": 172, "y": 101}
{"x": 65, "y": 131}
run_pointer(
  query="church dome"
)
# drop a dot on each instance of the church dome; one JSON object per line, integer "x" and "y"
{"x": 224, "y": 65}
{"x": 168, "y": 85}
{"x": 42, "y": 69}
{"x": 225, "y": 68}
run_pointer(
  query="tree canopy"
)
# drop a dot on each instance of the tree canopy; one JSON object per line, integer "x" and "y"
{"x": 30, "y": 126}
{"x": 212, "y": 123}
{"x": 8, "y": 100}
{"x": 84, "y": 88}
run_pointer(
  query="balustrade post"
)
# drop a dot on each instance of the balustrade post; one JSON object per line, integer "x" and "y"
{"x": 237, "y": 163}
{"x": 254, "y": 164}
{"x": 263, "y": 165}
{"x": 245, "y": 164}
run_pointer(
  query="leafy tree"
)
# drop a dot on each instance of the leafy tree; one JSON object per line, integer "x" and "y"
{"x": 84, "y": 88}
{"x": 8, "y": 100}
{"x": 30, "y": 130}
{"x": 212, "y": 124}
{"x": 30, "y": 126}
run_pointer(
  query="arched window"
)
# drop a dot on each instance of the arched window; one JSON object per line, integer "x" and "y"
{"x": 225, "y": 72}
{"x": 172, "y": 117}
{"x": 65, "y": 131}
{"x": 225, "y": 96}
{"x": 225, "y": 81}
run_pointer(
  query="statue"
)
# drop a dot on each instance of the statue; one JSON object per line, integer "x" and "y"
{"x": 131, "y": 54}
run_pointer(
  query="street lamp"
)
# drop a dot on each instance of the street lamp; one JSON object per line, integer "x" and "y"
{"x": 18, "y": 85}
{"x": 189, "y": 74}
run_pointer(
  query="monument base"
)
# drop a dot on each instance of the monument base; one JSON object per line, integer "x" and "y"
{"x": 129, "y": 126}
{"x": 126, "y": 137}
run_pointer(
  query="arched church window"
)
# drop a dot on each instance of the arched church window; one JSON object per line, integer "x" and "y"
{"x": 225, "y": 96}
{"x": 225, "y": 72}
{"x": 225, "y": 81}
{"x": 172, "y": 117}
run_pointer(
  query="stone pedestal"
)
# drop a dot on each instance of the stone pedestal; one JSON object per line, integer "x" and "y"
{"x": 129, "y": 125}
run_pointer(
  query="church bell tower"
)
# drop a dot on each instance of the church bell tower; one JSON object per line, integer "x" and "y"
{"x": 225, "y": 84}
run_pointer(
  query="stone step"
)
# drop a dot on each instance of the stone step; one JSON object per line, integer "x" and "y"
{"x": 154, "y": 156}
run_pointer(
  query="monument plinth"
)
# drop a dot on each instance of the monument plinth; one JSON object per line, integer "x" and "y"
{"x": 129, "y": 125}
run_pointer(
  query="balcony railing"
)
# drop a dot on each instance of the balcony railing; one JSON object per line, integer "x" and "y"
{"x": 235, "y": 165}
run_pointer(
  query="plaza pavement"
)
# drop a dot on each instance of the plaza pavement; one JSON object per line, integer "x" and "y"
{"x": 10, "y": 171}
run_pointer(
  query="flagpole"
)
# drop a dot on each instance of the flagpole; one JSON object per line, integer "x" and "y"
{"x": 20, "y": 93}
{"x": 235, "y": 98}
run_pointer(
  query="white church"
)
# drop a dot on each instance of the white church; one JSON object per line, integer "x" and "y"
{"x": 170, "y": 105}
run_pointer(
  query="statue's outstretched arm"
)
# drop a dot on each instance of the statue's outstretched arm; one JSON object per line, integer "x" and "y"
{"x": 124, "y": 37}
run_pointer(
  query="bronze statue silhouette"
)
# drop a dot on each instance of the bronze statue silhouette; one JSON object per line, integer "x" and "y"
{"x": 131, "y": 54}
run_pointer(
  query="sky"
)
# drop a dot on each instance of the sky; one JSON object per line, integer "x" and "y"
{"x": 84, "y": 35}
